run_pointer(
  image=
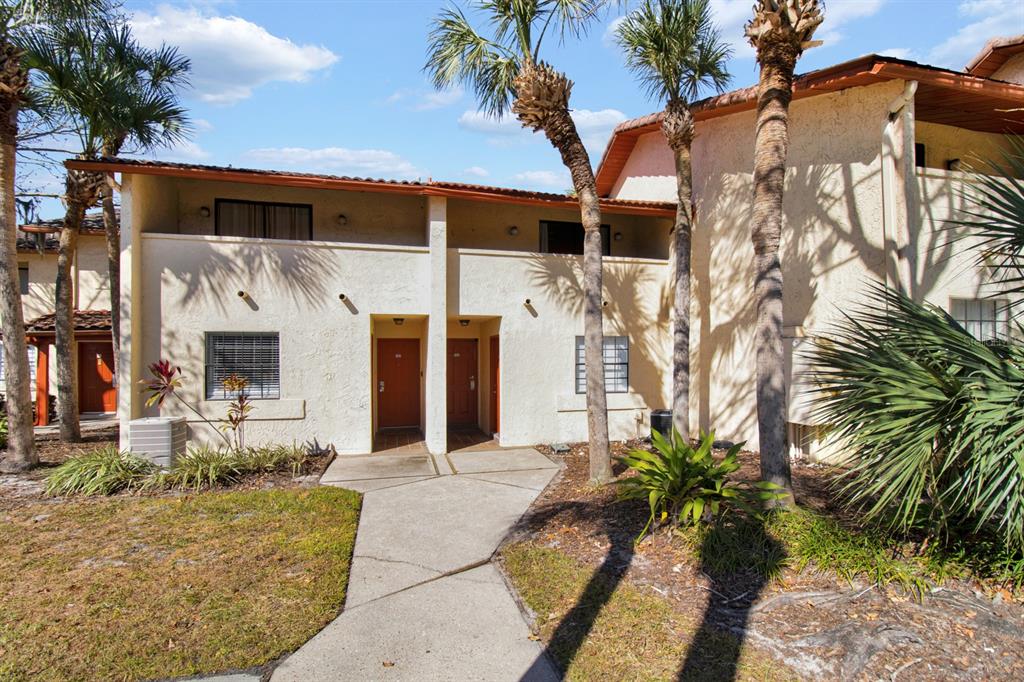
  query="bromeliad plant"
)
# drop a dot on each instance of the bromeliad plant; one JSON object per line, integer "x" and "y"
{"x": 685, "y": 485}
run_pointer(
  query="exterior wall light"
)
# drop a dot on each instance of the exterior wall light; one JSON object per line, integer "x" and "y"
{"x": 399, "y": 321}
{"x": 463, "y": 323}
{"x": 204, "y": 211}
{"x": 342, "y": 219}
{"x": 617, "y": 236}
{"x": 513, "y": 230}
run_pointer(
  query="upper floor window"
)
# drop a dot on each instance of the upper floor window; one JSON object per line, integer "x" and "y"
{"x": 562, "y": 237}
{"x": 985, "y": 319}
{"x": 616, "y": 365}
{"x": 263, "y": 220}
{"x": 253, "y": 356}
{"x": 23, "y": 279}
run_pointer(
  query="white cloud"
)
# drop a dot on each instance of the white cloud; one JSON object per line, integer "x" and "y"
{"x": 608, "y": 39}
{"x": 545, "y": 178}
{"x": 476, "y": 172}
{"x": 480, "y": 122}
{"x": 187, "y": 151}
{"x": 338, "y": 160}
{"x": 230, "y": 56}
{"x": 426, "y": 100}
{"x": 594, "y": 127}
{"x": 201, "y": 125}
{"x": 984, "y": 20}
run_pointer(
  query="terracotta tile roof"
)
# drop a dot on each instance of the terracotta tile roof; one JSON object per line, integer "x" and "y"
{"x": 84, "y": 320}
{"x": 944, "y": 96}
{"x": 326, "y": 181}
{"x": 29, "y": 241}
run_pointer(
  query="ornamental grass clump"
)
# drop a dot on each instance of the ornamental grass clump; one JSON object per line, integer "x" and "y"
{"x": 684, "y": 485}
{"x": 101, "y": 472}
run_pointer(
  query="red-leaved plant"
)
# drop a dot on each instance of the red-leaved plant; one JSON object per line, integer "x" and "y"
{"x": 164, "y": 384}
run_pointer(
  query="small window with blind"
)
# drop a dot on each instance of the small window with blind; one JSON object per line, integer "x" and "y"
{"x": 255, "y": 357}
{"x": 616, "y": 365}
{"x": 263, "y": 220}
{"x": 985, "y": 319}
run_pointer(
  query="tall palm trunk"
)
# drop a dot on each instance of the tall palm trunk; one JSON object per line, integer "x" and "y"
{"x": 81, "y": 192}
{"x": 775, "y": 89}
{"x": 21, "y": 454}
{"x": 112, "y": 230}
{"x": 678, "y": 129}
{"x": 542, "y": 103}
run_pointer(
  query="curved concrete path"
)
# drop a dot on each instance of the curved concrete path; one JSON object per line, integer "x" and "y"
{"x": 424, "y": 601}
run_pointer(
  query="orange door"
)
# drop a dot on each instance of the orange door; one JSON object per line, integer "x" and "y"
{"x": 495, "y": 385}
{"x": 462, "y": 382}
{"x": 398, "y": 382}
{"x": 96, "y": 392}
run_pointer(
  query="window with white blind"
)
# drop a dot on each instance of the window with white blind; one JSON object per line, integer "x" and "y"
{"x": 984, "y": 318}
{"x": 616, "y": 365}
{"x": 254, "y": 356}
{"x": 263, "y": 220}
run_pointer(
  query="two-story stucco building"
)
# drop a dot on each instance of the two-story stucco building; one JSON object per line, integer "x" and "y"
{"x": 356, "y": 306}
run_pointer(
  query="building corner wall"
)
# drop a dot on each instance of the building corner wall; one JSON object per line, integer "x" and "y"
{"x": 436, "y": 426}
{"x": 129, "y": 398}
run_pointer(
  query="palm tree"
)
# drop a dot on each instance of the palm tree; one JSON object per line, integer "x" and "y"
{"x": 18, "y": 18}
{"x": 112, "y": 90}
{"x": 506, "y": 73}
{"x": 676, "y": 50}
{"x": 779, "y": 31}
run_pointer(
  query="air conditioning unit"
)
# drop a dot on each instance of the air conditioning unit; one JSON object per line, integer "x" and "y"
{"x": 161, "y": 440}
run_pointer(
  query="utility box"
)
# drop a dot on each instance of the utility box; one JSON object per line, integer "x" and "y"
{"x": 161, "y": 440}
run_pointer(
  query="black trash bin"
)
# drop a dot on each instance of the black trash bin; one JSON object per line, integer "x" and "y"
{"x": 661, "y": 421}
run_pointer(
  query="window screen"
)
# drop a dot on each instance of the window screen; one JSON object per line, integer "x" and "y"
{"x": 616, "y": 365}
{"x": 263, "y": 220}
{"x": 984, "y": 319}
{"x": 567, "y": 238}
{"x": 253, "y": 356}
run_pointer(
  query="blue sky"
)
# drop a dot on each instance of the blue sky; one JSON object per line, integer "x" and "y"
{"x": 337, "y": 86}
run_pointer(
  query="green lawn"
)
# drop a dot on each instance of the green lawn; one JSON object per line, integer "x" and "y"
{"x": 140, "y": 588}
{"x": 636, "y": 635}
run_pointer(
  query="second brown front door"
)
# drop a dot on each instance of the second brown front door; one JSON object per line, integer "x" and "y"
{"x": 398, "y": 382}
{"x": 462, "y": 382}
{"x": 96, "y": 392}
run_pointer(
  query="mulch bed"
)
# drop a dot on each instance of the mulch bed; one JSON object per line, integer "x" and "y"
{"x": 815, "y": 623}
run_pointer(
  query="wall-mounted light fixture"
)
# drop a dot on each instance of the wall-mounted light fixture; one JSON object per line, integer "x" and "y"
{"x": 617, "y": 236}
{"x": 513, "y": 230}
{"x": 399, "y": 321}
{"x": 463, "y": 323}
{"x": 204, "y": 211}
{"x": 342, "y": 219}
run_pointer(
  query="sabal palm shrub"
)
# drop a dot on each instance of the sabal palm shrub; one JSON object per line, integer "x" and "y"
{"x": 931, "y": 417}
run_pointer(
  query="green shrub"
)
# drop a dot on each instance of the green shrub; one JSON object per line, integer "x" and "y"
{"x": 3, "y": 431}
{"x": 101, "y": 472}
{"x": 204, "y": 467}
{"x": 686, "y": 485}
{"x": 269, "y": 458}
{"x": 932, "y": 418}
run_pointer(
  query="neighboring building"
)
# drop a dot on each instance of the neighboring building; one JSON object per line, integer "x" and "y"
{"x": 37, "y": 269}
{"x": 356, "y": 305}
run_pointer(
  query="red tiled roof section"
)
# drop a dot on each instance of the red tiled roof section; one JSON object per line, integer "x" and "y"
{"x": 323, "y": 181}
{"x": 84, "y": 320}
{"x": 943, "y": 96}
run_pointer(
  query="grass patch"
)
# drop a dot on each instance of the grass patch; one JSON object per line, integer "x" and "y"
{"x": 636, "y": 635}
{"x": 144, "y": 588}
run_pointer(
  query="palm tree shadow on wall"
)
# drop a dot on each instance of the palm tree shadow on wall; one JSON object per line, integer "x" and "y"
{"x": 738, "y": 557}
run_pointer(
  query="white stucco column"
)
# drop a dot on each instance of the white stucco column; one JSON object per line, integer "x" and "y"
{"x": 437, "y": 328}
{"x": 129, "y": 368}
{"x": 899, "y": 190}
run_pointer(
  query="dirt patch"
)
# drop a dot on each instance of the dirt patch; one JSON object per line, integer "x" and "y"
{"x": 808, "y": 619}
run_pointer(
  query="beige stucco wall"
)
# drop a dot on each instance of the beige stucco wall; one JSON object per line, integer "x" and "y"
{"x": 1012, "y": 70}
{"x": 189, "y": 286}
{"x": 974, "y": 149}
{"x": 649, "y": 172}
{"x": 89, "y": 272}
{"x": 538, "y": 399}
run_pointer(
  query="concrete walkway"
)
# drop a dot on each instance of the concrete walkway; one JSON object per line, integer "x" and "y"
{"x": 424, "y": 602}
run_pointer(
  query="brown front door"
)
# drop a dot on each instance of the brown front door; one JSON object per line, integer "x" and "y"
{"x": 398, "y": 382}
{"x": 96, "y": 392}
{"x": 495, "y": 385}
{"x": 462, "y": 382}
